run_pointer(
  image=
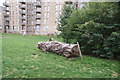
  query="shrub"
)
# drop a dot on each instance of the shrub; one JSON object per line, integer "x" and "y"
{"x": 97, "y": 39}
{"x": 96, "y": 28}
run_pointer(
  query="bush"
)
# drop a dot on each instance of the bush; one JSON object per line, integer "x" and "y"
{"x": 96, "y": 28}
{"x": 96, "y": 38}
{"x": 100, "y": 40}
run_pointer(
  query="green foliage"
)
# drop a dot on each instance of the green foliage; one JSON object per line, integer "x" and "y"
{"x": 66, "y": 12}
{"x": 96, "y": 28}
{"x": 22, "y": 59}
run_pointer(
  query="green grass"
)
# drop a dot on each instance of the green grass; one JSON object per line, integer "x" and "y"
{"x": 22, "y": 59}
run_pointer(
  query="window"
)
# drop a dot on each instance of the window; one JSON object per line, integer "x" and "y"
{"x": 56, "y": 7}
{"x": 48, "y": 15}
{"x": 45, "y": 15}
{"x": 16, "y": 6}
{"x": 55, "y": 27}
{"x": 56, "y": 20}
{"x": 60, "y": 12}
{"x": 37, "y": 33}
{"x": 46, "y": 29}
{"x": 38, "y": 20}
{"x": 22, "y": 27}
{"x": 44, "y": 21}
{"x": 32, "y": 22}
{"x": 0, "y": 26}
{"x": 45, "y": 1}
{"x": 37, "y": 27}
{"x": 48, "y": 8}
{"x": 57, "y": 1}
{"x": 48, "y": 1}
{"x": 56, "y": 14}
{"x": 45, "y": 8}
{"x": 60, "y": 7}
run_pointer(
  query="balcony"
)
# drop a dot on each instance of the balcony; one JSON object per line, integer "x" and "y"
{"x": 37, "y": 27}
{"x": 38, "y": 4}
{"x": 38, "y": 22}
{"x": 22, "y": 1}
{"x": 6, "y": 4}
{"x": 38, "y": 10}
{"x": 6, "y": 19}
{"x": 23, "y": 17}
{"x": 68, "y": 2}
{"x": 37, "y": 32}
{"x": 38, "y": 16}
{"x": 23, "y": 12}
{"x": 22, "y": 6}
{"x": 6, "y": 9}
{"x": 6, "y": 14}
{"x": 23, "y": 23}
{"x": 6, "y": 23}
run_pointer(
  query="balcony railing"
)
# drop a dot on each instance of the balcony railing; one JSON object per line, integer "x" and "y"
{"x": 6, "y": 9}
{"x": 38, "y": 4}
{"x": 38, "y": 16}
{"x": 6, "y": 4}
{"x": 23, "y": 11}
{"x": 6, "y": 23}
{"x": 38, "y": 10}
{"x": 6, "y": 19}
{"x": 38, "y": 22}
{"x": 22, "y": 6}
{"x": 68, "y": 2}
{"x": 22, "y": 1}
{"x": 23, "y": 17}
{"x": 23, "y": 23}
{"x": 6, "y": 14}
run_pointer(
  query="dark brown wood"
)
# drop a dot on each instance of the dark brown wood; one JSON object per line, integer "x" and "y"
{"x": 67, "y": 50}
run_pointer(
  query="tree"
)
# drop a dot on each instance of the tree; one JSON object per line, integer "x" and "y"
{"x": 96, "y": 28}
{"x": 66, "y": 12}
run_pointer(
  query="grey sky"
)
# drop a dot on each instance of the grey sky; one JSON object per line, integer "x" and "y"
{"x": 1, "y": 2}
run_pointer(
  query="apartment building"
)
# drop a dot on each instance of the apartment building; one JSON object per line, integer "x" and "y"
{"x": 1, "y": 19}
{"x": 33, "y": 17}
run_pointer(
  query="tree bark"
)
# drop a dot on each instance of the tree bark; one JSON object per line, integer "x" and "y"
{"x": 67, "y": 50}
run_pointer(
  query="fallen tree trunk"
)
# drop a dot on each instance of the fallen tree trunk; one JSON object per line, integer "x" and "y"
{"x": 67, "y": 50}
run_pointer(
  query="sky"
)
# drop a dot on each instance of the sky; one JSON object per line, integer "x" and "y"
{"x": 1, "y": 2}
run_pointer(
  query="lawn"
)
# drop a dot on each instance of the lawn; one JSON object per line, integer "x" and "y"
{"x": 22, "y": 59}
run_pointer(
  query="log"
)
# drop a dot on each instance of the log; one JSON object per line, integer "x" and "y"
{"x": 67, "y": 50}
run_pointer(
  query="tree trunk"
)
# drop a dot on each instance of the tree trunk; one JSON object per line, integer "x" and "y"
{"x": 67, "y": 50}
